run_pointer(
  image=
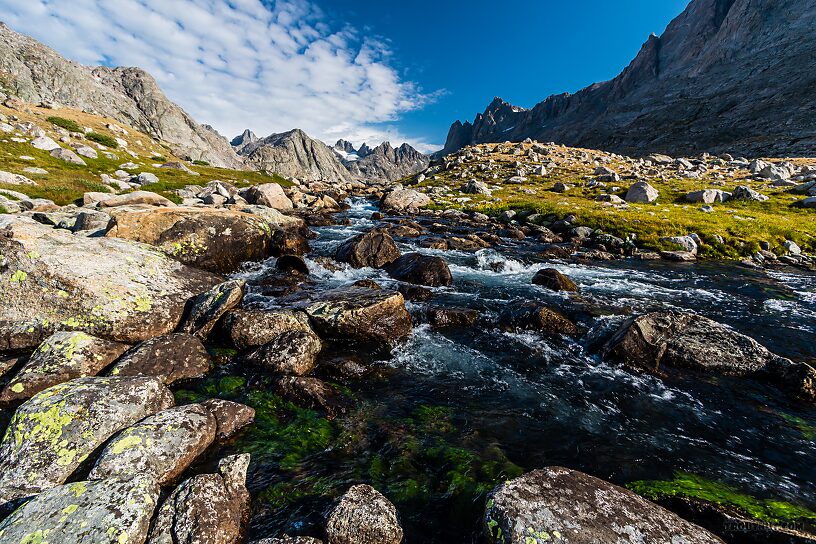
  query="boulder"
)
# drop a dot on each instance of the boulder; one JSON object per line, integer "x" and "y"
{"x": 683, "y": 340}
{"x": 288, "y": 540}
{"x": 110, "y": 288}
{"x": 681, "y": 243}
{"x": 113, "y": 511}
{"x": 707, "y": 196}
{"x": 207, "y": 308}
{"x": 213, "y": 239}
{"x": 172, "y": 358}
{"x": 270, "y": 195}
{"x": 86, "y": 151}
{"x": 161, "y": 446}
{"x": 556, "y": 504}
{"x": 63, "y": 356}
{"x": 289, "y": 242}
{"x": 363, "y": 516}
{"x": 641, "y": 192}
{"x": 68, "y": 156}
{"x": 45, "y": 143}
{"x": 446, "y": 318}
{"x": 293, "y": 352}
{"x": 292, "y": 264}
{"x": 207, "y": 508}
{"x": 250, "y": 328}
{"x": 809, "y": 202}
{"x": 51, "y": 434}
{"x": 15, "y": 179}
{"x": 176, "y": 165}
{"x": 90, "y": 220}
{"x": 554, "y": 280}
{"x": 534, "y": 316}
{"x": 146, "y": 178}
{"x": 135, "y": 198}
{"x": 374, "y": 249}
{"x": 230, "y": 417}
{"x": 421, "y": 269}
{"x": 312, "y": 393}
{"x": 746, "y": 193}
{"x": 274, "y": 218}
{"x": 474, "y": 187}
{"x": 401, "y": 200}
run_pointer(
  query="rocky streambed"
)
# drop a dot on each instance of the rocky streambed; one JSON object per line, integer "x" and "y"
{"x": 380, "y": 379}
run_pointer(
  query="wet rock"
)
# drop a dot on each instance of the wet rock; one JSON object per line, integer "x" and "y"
{"x": 113, "y": 289}
{"x": 51, "y": 434}
{"x": 683, "y": 340}
{"x": 445, "y": 318}
{"x": 401, "y": 200}
{"x": 292, "y": 263}
{"x": 161, "y": 446}
{"x": 63, "y": 356}
{"x": 135, "y": 198}
{"x": 560, "y": 505}
{"x": 554, "y": 280}
{"x": 374, "y": 248}
{"x": 534, "y": 316}
{"x": 678, "y": 256}
{"x": 363, "y": 516}
{"x": 113, "y": 511}
{"x": 230, "y": 417}
{"x": 289, "y": 540}
{"x": 207, "y": 308}
{"x": 414, "y": 292}
{"x": 421, "y": 270}
{"x": 270, "y": 195}
{"x": 217, "y": 240}
{"x": 344, "y": 368}
{"x": 250, "y": 328}
{"x": 289, "y": 242}
{"x": 312, "y": 393}
{"x": 293, "y": 352}
{"x": 797, "y": 378}
{"x": 172, "y": 358}
{"x": 641, "y": 192}
{"x": 206, "y": 509}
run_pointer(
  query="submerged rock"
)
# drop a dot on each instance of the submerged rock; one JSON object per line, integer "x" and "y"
{"x": 51, "y": 434}
{"x": 172, "y": 358}
{"x": 250, "y": 328}
{"x": 537, "y": 317}
{"x": 556, "y": 504}
{"x": 230, "y": 417}
{"x": 421, "y": 269}
{"x": 112, "y": 511}
{"x": 554, "y": 280}
{"x": 374, "y": 249}
{"x": 363, "y": 516}
{"x": 293, "y": 352}
{"x": 444, "y": 318}
{"x": 312, "y": 393}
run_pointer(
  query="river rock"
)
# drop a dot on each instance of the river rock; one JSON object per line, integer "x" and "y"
{"x": 374, "y": 249}
{"x": 113, "y": 511}
{"x": 401, "y": 200}
{"x": 293, "y": 352}
{"x": 217, "y": 240}
{"x": 230, "y": 417}
{"x": 250, "y": 328}
{"x": 207, "y": 508}
{"x": 363, "y": 516}
{"x": 683, "y": 340}
{"x": 556, "y": 504}
{"x": 270, "y": 195}
{"x": 421, "y": 269}
{"x": 207, "y": 308}
{"x": 641, "y": 192}
{"x": 445, "y": 318}
{"x": 135, "y": 198}
{"x": 110, "y": 288}
{"x": 68, "y": 156}
{"x": 554, "y": 280}
{"x": 161, "y": 446}
{"x": 289, "y": 242}
{"x": 51, "y": 434}
{"x": 531, "y": 315}
{"x": 172, "y": 358}
{"x": 61, "y": 357}
{"x": 312, "y": 393}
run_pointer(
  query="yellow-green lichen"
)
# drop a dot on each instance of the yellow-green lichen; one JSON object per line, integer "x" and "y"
{"x": 19, "y": 276}
{"x": 125, "y": 443}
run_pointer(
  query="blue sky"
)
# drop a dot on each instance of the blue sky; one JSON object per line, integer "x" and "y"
{"x": 356, "y": 69}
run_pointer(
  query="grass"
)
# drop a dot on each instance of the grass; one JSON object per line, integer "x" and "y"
{"x": 67, "y": 124}
{"x": 104, "y": 139}
{"x": 691, "y": 486}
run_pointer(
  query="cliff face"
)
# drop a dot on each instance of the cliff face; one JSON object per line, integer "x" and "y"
{"x": 727, "y": 75}
{"x": 294, "y": 154}
{"x": 37, "y": 73}
{"x": 386, "y": 163}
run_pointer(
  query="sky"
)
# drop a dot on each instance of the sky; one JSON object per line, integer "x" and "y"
{"x": 360, "y": 70}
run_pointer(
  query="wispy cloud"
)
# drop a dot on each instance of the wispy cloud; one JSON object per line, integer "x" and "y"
{"x": 235, "y": 64}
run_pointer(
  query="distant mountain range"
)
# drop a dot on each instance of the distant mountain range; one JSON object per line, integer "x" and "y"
{"x": 733, "y": 76}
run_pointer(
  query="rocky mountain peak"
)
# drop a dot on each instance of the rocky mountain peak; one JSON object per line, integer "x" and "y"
{"x": 247, "y": 137}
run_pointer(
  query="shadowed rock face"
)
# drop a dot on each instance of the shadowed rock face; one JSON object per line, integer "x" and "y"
{"x": 718, "y": 80}
{"x": 386, "y": 163}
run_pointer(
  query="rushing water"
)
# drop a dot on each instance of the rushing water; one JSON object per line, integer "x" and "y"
{"x": 449, "y": 414}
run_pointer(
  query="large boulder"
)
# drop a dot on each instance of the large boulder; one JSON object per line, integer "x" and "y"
{"x": 173, "y": 357}
{"x": 293, "y": 352}
{"x": 161, "y": 446}
{"x": 374, "y": 249}
{"x": 250, "y": 328}
{"x": 51, "y": 434}
{"x": 707, "y": 196}
{"x": 61, "y": 357}
{"x": 217, "y": 240}
{"x": 207, "y": 308}
{"x": 744, "y": 192}
{"x": 207, "y": 508}
{"x": 683, "y": 340}
{"x": 270, "y": 195}
{"x": 421, "y": 269}
{"x": 113, "y": 289}
{"x": 68, "y": 156}
{"x": 363, "y": 516}
{"x": 641, "y": 192}
{"x": 230, "y": 417}
{"x": 135, "y": 198}
{"x": 113, "y": 511}
{"x": 554, "y": 280}
{"x": 402, "y": 200}
{"x": 556, "y": 504}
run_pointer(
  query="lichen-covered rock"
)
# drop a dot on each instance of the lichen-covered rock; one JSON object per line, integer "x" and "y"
{"x": 270, "y": 195}
{"x": 374, "y": 249}
{"x": 172, "y": 357}
{"x": 147, "y": 198}
{"x": 114, "y": 289}
{"x": 52, "y": 433}
{"x": 214, "y": 239}
{"x": 206, "y": 509}
{"x": 421, "y": 269}
{"x": 230, "y": 417}
{"x": 207, "y": 308}
{"x": 556, "y": 504}
{"x": 400, "y": 200}
{"x": 554, "y": 280}
{"x": 249, "y": 328}
{"x": 288, "y": 540}
{"x": 161, "y": 446}
{"x": 363, "y": 516}
{"x": 113, "y": 511}
{"x": 293, "y": 352}
{"x": 61, "y": 357}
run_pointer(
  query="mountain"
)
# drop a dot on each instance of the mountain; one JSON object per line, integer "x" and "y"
{"x": 36, "y": 73}
{"x": 248, "y": 137}
{"x": 387, "y": 163}
{"x": 293, "y": 154}
{"x": 726, "y": 76}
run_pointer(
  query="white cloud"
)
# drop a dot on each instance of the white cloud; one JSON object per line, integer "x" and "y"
{"x": 238, "y": 64}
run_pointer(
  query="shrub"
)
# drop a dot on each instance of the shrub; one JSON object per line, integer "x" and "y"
{"x": 67, "y": 124}
{"x": 103, "y": 139}
{"x": 201, "y": 163}
{"x": 158, "y": 158}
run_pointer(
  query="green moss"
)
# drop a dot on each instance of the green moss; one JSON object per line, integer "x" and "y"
{"x": 67, "y": 124}
{"x": 807, "y": 429}
{"x": 231, "y": 384}
{"x": 104, "y": 139}
{"x": 691, "y": 486}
